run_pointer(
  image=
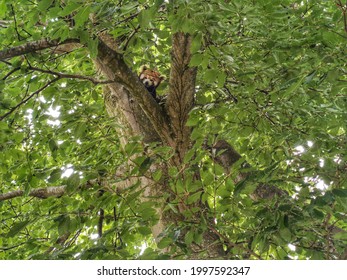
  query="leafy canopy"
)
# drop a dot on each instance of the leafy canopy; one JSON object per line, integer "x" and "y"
{"x": 272, "y": 81}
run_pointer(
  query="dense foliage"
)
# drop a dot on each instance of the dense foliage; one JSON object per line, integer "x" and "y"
{"x": 272, "y": 81}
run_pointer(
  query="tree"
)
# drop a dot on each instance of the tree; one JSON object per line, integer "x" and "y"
{"x": 245, "y": 158}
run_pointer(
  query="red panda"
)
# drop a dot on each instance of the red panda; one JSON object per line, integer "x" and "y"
{"x": 151, "y": 79}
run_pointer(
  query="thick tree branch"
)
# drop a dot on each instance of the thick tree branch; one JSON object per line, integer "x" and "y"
{"x": 33, "y": 47}
{"x": 55, "y": 191}
{"x": 39, "y": 193}
{"x": 227, "y": 156}
{"x": 4, "y": 23}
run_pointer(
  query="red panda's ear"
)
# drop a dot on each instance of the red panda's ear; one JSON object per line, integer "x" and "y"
{"x": 161, "y": 78}
{"x": 143, "y": 68}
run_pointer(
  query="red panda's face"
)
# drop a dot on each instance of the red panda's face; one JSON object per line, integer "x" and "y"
{"x": 150, "y": 78}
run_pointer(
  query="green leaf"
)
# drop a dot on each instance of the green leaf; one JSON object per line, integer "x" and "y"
{"x": 147, "y": 15}
{"x": 341, "y": 236}
{"x": 263, "y": 245}
{"x": 179, "y": 187}
{"x": 317, "y": 213}
{"x": 70, "y": 8}
{"x": 132, "y": 148}
{"x": 64, "y": 225}
{"x": 92, "y": 45}
{"x": 17, "y": 62}
{"x": 286, "y": 234}
{"x": 17, "y": 227}
{"x": 3, "y": 8}
{"x": 294, "y": 87}
{"x": 82, "y": 16}
{"x": 73, "y": 182}
{"x": 211, "y": 75}
{"x": 196, "y": 43}
{"x": 157, "y": 175}
{"x": 172, "y": 207}
{"x": 221, "y": 79}
{"x": 149, "y": 214}
{"x": 55, "y": 175}
{"x": 196, "y": 59}
{"x": 52, "y": 145}
{"x": 339, "y": 192}
{"x": 193, "y": 120}
{"x": 80, "y": 130}
{"x": 164, "y": 242}
{"x": 44, "y": 5}
{"x": 240, "y": 186}
{"x": 95, "y": 95}
{"x": 173, "y": 172}
{"x": 54, "y": 12}
{"x": 144, "y": 230}
{"x": 207, "y": 177}
{"x": 189, "y": 155}
{"x": 145, "y": 165}
{"x": 194, "y": 197}
{"x": 189, "y": 237}
{"x": 331, "y": 39}
{"x": 198, "y": 238}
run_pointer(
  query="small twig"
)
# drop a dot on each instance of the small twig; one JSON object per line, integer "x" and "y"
{"x": 10, "y": 73}
{"x": 130, "y": 37}
{"x": 70, "y": 76}
{"x": 3, "y": 249}
{"x": 73, "y": 239}
{"x": 231, "y": 95}
{"x": 15, "y": 24}
{"x": 128, "y": 18}
{"x": 232, "y": 245}
{"x": 101, "y": 221}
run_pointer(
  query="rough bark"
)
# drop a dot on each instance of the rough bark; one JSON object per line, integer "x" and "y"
{"x": 34, "y": 47}
{"x": 39, "y": 193}
{"x": 180, "y": 98}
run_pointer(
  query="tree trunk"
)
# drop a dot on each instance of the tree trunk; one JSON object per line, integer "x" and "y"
{"x": 130, "y": 104}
